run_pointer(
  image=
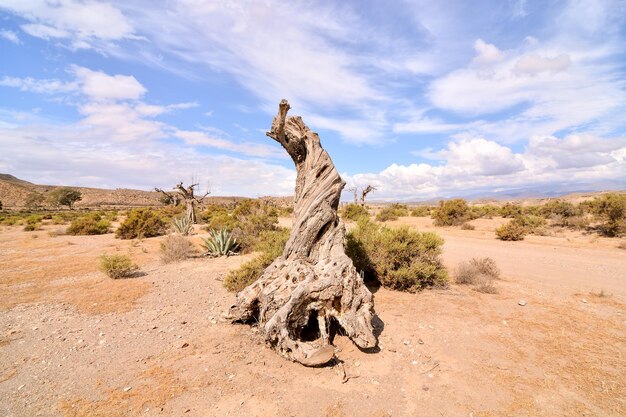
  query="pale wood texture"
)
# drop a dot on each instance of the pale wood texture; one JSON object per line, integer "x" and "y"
{"x": 313, "y": 280}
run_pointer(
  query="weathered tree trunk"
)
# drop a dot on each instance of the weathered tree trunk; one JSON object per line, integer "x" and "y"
{"x": 365, "y": 192}
{"x": 313, "y": 284}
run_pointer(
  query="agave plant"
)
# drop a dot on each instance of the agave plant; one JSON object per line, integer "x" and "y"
{"x": 182, "y": 225}
{"x": 220, "y": 243}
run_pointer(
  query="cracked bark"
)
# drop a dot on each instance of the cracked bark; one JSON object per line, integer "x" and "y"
{"x": 314, "y": 281}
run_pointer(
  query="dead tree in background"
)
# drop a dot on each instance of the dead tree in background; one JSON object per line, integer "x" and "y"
{"x": 313, "y": 286}
{"x": 364, "y": 194}
{"x": 180, "y": 193}
{"x": 169, "y": 198}
{"x": 354, "y": 191}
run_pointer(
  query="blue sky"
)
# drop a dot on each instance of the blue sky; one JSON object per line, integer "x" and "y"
{"x": 422, "y": 99}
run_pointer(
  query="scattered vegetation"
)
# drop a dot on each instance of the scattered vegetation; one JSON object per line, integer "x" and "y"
{"x": 90, "y": 224}
{"x": 353, "y": 212}
{"x": 117, "y": 266}
{"x": 398, "y": 258}
{"x": 220, "y": 243}
{"x": 392, "y": 212}
{"x": 421, "y": 211}
{"x": 271, "y": 244}
{"x": 141, "y": 223}
{"x": 34, "y": 201}
{"x": 64, "y": 197}
{"x": 479, "y": 272}
{"x": 451, "y": 213}
{"x": 467, "y": 226}
{"x": 511, "y": 210}
{"x": 175, "y": 248}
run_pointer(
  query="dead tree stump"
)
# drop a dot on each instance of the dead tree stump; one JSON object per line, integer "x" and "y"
{"x": 314, "y": 284}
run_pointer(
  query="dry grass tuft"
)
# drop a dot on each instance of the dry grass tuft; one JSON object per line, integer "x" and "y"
{"x": 480, "y": 272}
{"x": 175, "y": 248}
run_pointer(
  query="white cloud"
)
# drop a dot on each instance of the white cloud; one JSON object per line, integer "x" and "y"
{"x": 38, "y": 86}
{"x": 479, "y": 165}
{"x": 10, "y": 36}
{"x": 83, "y": 23}
{"x": 487, "y": 53}
{"x": 100, "y": 86}
{"x": 534, "y": 64}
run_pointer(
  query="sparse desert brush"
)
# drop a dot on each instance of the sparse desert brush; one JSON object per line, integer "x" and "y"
{"x": 560, "y": 208}
{"x": 510, "y": 210}
{"x": 392, "y": 212}
{"x": 182, "y": 225}
{"x": 141, "y": 223}
{"x": 353, "y": 212}
{"x": 117, "y": 266}
{"x": 484, "y": 211}
{"x": 530, "y": 222}
{"x": 610, "y": 209}
{"x": 32, "y": 223}
{"x": 511, "y": 231}
{"x": 398, "y": 258}
{"x": 421, "y": 211}
{"x": 451, "y": 213}
{"x": 467, "y": 226}
{"x": 480, "y": 272}
{"x": 91, "y": 224}
{"x": 271, "y": 244}
{"x": 175, "y": 248}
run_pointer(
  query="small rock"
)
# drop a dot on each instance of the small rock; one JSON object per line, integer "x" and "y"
{"x": 184, "y": 345}
{"x": 126, "y": 389}
{"x": 425, "y": 388}
{"x": 101, "y": 334}
{"x": 584, "y": 301}
{"x": 420, "y": 341}
{"x": 414, "y": 363}
{"x": 20, "y": 387}
{"x": 406, "y": 342}
{"x": 522, "y": 302}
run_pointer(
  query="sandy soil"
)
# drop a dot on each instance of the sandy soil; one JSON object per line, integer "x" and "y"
{"x": 75, "y": 343}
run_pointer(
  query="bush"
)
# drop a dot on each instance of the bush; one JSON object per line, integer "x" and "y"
{"x": 117, "y": 266}
{"x": 480, "y": 272}
{"x": 510, "y": 210}
{"x": 530, "y": 222}
{"x": 392, "y": 212}
{"x": 182, "y": 225}
{"x": 451, "y": 213}
{"x": 610, "y": 209}
{"x": 467, "y": 226}
{"x": 141, "y": 223}
{"x": 398, "y": 258}
{"x": 353, "y": 212}
{"x": 484, "y": 211}
{"x": 91, "y": 224}
{"x": 175, "y": 248}
{"x": 511, "y": 231}
{"x": 64, "y": 197}
{"x": 34, "y": 201}
{"x": 421, "y": 211}
{"x": 32, "y": 223}
{"x": 560, "y": 208}
{"x": 271, "y": 243}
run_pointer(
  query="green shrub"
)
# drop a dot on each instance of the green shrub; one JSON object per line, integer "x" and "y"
{"x": 182, "y": 225}
{"x": 510, "y": 210}
{"x": 91, "y": 224}
{"x": 451, "y": 213}
{"x": 560, "y": 208}
{"x": 353, "y": 212}
{"x": 398, "y": 258}
{"x": 421, "y": 211}
{"x": 32, "y": 223}
{"x": 392, "y": 212}
{"x": 34, "y": 201}
{"x": 486, "y": 211}
{"x": 511, "y": 231}
{"x": 117, "y": 266}
{"x": 141, "y": 223}
{"x": 220, "y": 243}
{"x": 64, "y": 197}
{"x": 530, "y": 222}
{"x": 175, "y": 248}
{"x": 610, "y": 209}
{"x": 271, "y": 244}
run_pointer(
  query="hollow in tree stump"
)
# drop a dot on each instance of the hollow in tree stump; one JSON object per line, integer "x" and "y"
{"x": 314, "y": 284}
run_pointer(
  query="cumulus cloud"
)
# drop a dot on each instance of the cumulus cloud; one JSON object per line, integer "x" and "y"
{"x": 533, "y": 64}
{"x": 479, "y": 165}
{"x": 100, "y": 86}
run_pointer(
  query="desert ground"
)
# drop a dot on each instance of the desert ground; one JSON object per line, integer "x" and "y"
{"x": 74, "y": 342}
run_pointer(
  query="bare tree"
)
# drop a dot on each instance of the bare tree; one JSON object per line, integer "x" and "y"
{"x": 364, "y": 194}
{"x": 186, "y": 194}
{"x": 169, "y": 198}
{"x": 313, "y": 285}
{"x": 354, "y": 191}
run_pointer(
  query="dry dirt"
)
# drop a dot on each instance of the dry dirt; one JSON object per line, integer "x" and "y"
{"x": 75, "y": 343}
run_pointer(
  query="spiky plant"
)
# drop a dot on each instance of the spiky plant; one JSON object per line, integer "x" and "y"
{"x": 220, "y": 243}
{"x": 182, "y": 225}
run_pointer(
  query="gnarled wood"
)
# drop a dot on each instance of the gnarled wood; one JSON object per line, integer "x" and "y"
{"x": 365, "y": 192}
{"x": 313, "y": 280}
